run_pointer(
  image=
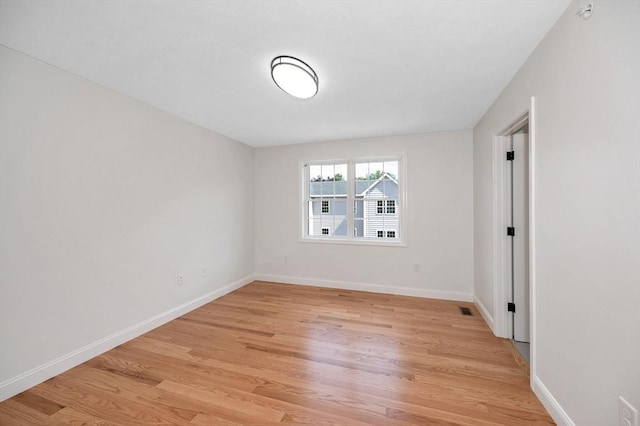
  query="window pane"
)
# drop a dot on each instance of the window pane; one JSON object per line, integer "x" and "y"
{"x": 315, "y": 208}
{"x": 341, "y": 173}
{"x": 315, "y": 173}
{"x": 369, "y": 228}
{"x": 358, "y": 228}
{"x": 362, "y": 171}
{"x": 341, "y": 222}
{"x": 358, "y": 209}
{"x": 327, "y": 188}
{"x": 315, "y": 226}
{"x": 327, "y": 179}
{"x": 341, "y": 228}
{"x": 327, "y": 172}
{"x": 376, "y": 170}
{"x": 314, "y": 183}
{"x": 391, "y": 168}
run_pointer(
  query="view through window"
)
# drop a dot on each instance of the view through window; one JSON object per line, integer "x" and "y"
{"x": 353, "y": 200}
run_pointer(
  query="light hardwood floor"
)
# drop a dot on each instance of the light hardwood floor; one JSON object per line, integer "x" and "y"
{"x": 273, "y": 353}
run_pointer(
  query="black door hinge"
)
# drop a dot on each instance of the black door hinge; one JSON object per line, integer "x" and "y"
{"x": 510, "y": 155}
{"x": 511, "y": 307}
{"x": 511, "y": 231}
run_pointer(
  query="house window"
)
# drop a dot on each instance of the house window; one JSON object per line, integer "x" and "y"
{"x": 386, "y": 207}
{"x": 391, "y": 207}
{"x": 357, "y": 201}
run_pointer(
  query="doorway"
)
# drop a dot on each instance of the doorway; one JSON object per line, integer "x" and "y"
{"x": 514, "y": 248}
{"x": 517, "y": 183}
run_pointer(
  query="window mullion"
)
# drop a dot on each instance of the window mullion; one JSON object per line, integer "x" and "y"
{"x": 351, "y": 183}
{"x": 306, "y": 229}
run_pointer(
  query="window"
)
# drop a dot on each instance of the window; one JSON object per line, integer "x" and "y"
{"x": 386, "y": 208}
{"x": 356, "y": 201}
{"x": 390, "y": 234}
{"x": 326, "y": 200}
{"x": 391, "y": 207}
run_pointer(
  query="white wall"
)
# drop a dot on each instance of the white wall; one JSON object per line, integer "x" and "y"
{"x": 104, "y": 201}
{"x": 585, "y": 76}
{"x": 440, "y": 219}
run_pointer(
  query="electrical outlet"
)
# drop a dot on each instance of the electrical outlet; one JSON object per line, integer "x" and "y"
{"x": 627, "y": 414}
{"x": 180, "y": 279}
{"x": 416, "y": 267}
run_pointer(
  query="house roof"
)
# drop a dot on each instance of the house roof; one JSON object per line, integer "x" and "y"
{"x": 339, "y": 188}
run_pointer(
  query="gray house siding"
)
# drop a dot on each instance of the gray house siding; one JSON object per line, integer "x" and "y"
{"x": 358, "y": 216}
{"x": 384, "y": 190}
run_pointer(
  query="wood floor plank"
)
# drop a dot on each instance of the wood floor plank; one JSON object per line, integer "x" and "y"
{"x": 38, "y": 403}
{"x": 14, "y": 413}
{"x": 225, "y": 398}
{"x": 272, "y": 353}
{"x": 72, "y": 417}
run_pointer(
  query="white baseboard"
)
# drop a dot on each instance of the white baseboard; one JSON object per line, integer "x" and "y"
{"x": 37, "y": 375}
{"x": 374, "y": 288}
{"x": 485, "y": 313}
{"x": 553, "y": 407}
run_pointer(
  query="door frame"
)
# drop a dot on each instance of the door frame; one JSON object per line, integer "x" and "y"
{"x": 501, "y": 248}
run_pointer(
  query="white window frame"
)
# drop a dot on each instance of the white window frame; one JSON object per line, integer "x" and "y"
{"x": 401, "y": 203}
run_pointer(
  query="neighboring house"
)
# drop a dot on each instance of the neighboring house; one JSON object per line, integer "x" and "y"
{"x": 376, "y": 208}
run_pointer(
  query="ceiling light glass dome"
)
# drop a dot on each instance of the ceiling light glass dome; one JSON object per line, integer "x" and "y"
{"x": 294, "y": 77}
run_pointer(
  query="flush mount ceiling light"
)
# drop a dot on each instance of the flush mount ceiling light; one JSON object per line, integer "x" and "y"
{"x": 294, "y": 77}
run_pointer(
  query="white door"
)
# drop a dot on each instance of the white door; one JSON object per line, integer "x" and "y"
{"x": 520, "y": 241}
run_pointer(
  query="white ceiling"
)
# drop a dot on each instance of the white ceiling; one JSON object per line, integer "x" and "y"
{"x": 385, "y": 67}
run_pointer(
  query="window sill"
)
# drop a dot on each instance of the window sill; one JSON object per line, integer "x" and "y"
{"x": 353, "y": 242}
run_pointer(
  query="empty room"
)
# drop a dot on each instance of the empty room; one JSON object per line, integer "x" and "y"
{"x": 358, "y": 212}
